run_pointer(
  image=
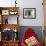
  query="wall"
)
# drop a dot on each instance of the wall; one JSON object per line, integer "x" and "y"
{"x": 39, "y": 13}
{"x": 27, "y": 4}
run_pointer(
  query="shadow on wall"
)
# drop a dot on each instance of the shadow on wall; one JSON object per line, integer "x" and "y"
{"x": 37, "y": 29}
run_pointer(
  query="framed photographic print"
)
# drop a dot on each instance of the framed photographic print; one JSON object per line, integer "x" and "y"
{"x": 13, "y": 12}
{"x": 5, "y": 12}
{"x": 29, "y": 13}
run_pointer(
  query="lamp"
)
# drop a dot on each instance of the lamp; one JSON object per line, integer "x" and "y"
{"x": 15, "y": 3}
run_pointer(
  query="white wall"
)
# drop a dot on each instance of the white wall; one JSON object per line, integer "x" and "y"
{"x": 27, "y": 4}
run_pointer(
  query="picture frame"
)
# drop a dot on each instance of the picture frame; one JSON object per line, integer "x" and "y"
{"x": 29, "y": 13}
{"x": 13, "y": 12}
{"x": 5, "y": 12}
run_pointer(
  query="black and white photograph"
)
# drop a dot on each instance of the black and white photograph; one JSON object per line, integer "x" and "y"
{"x": 29, "y": 13}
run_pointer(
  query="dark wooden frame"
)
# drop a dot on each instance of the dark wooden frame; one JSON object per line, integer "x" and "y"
{"x": 29, "y": 10}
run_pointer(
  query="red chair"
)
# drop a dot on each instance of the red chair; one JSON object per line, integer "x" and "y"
{"x": 29, "y": 33}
